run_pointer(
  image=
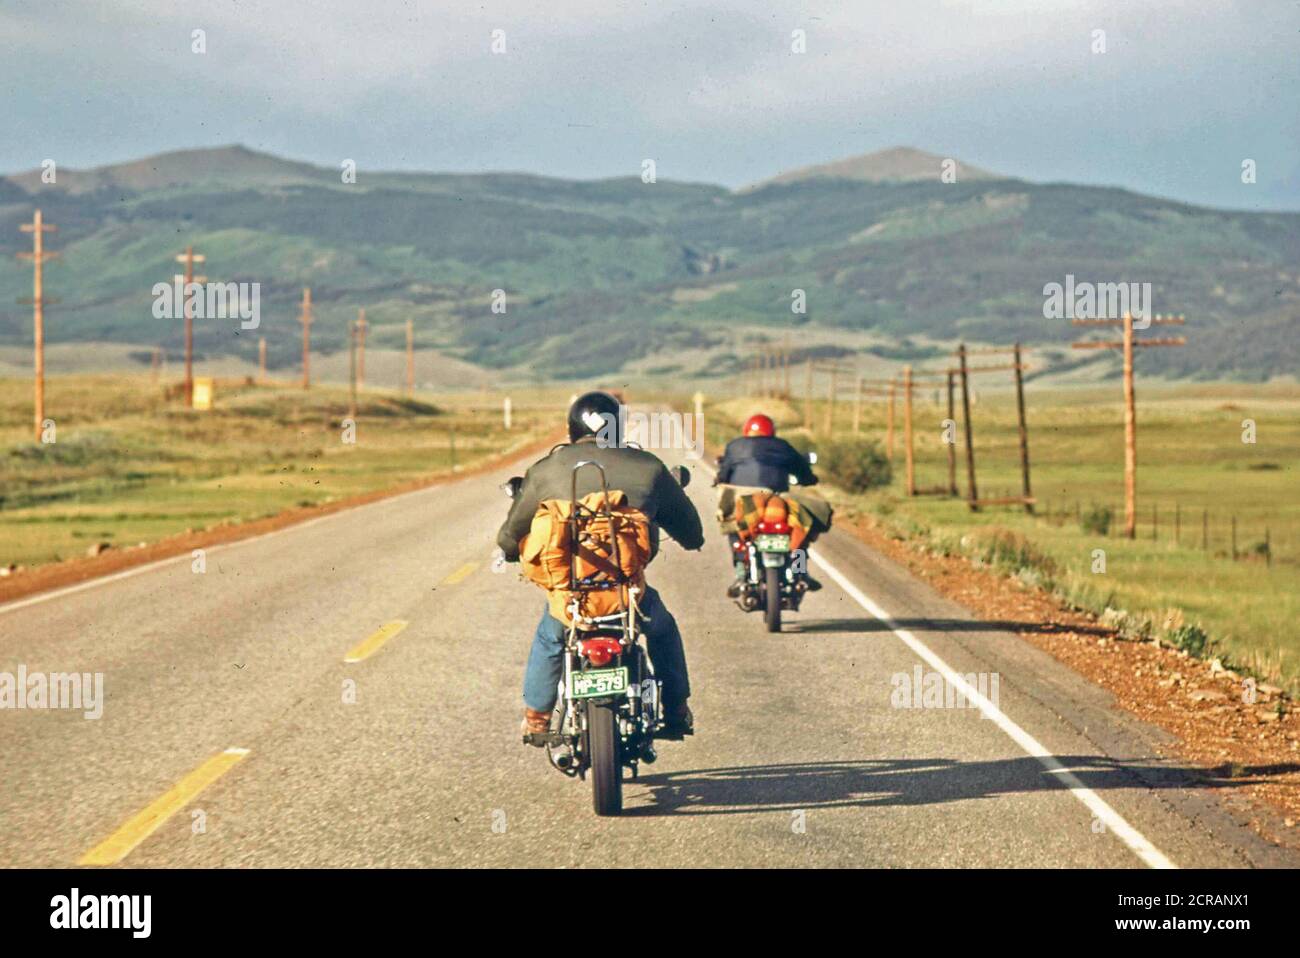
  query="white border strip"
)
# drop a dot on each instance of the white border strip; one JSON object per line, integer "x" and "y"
{"x": 1130, "y": 836}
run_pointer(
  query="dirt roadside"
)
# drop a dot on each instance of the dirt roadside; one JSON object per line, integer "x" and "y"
{"x": 1220, "y": 722}
{"x": 72, "y": 571}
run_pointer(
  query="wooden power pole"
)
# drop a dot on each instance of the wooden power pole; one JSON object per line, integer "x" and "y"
{"x": 830, "y": 404}
{"x": 785, "y": 366}
{"x": 410, "y": 357}
{"x": 353, "y": 330}
{"x": 1128, "y": 344}
{"x": 807, "y": 395}
{"x": 305, "y": 318}
{"x": 972, "y": 492}
{"x": 189, "y": 258}
{"x": 1023, "y": 426}
{"x": 361, "y": 349}
{"x": 907, "y": 430}
{"x": 38, "y": 228}
{"x": 889, "y": 429}
{"x": 261, "y": 360}
{"x": 952, "y": 446}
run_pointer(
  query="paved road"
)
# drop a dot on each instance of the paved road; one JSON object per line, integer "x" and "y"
{"x": 410, "y": 757}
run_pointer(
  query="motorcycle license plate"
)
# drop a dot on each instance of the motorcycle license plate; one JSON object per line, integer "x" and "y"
{"x": 772, "y": 542}
{"x": 597, "y": 682}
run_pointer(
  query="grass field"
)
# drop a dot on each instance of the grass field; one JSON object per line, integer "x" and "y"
{"x": 130, "y": 466}
{"x": 1191, "y": 462}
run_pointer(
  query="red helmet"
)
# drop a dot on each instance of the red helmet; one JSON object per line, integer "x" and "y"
{"x": 759, "y": 425}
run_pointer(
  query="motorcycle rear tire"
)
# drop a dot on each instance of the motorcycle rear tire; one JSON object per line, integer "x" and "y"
{"x": 606, "y": 768}
{"x": 772, "y": 588}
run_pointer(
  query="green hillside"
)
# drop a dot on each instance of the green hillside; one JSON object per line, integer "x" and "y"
{"x": 602, "y": 273}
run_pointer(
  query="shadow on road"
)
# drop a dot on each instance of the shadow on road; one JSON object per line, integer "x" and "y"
{"x": 940, "y": 625}
{"x": 775, "y": 788}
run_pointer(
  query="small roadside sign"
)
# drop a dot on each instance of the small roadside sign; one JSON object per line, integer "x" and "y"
{"x": 203, "y": 392}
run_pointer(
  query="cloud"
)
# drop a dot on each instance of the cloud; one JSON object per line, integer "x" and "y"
{"x": 588, "y": 88}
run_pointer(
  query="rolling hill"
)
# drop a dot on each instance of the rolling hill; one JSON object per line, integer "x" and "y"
{"x": 666, "y": 275}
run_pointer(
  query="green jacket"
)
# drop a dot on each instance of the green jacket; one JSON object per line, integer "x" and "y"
{"x": 645, "y": 480}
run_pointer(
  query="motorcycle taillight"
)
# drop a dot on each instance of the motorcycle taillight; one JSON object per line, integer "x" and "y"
{"x": 599, "y": 651}
{"x": 777, "y": 527}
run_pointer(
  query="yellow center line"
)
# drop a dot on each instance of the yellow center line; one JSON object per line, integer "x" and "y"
{"x": 462, "y": 573}
{"x": 123, "y": 841}
{"x": 372, "y": 644}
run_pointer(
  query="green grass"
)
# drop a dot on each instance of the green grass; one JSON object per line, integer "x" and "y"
{"x": 130, "y": 466}
{"x": 1190, "y": 457}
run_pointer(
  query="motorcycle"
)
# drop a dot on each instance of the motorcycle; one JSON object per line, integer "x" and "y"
{"x": 610, "y": 704}
{"x": 772, "y": 579}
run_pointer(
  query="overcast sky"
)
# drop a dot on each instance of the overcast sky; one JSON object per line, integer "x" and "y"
{"x": 710, "y": 89}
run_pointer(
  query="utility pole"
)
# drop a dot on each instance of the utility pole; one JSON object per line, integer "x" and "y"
{"x": 410, "y": 357}
{"x": 305, "y": 318}
{"x": 1128, "y": 344}
{"x": 785, "y": 365}
{"x": 952, "y": 446}
{"x": 352, "y": 370}
{"x": 889, "y": 429}
{"x": 361, "y": 349}
{"x": 38, "y": 228}
{"x": 189, "y": 258}
{"x": 857, "y": 408}
{"x": 1022, "y": 424}
{"x": 154, "y": 364}
{"x": 830, "y": 405}
{"x": 807, "y": 395}
{"x": 261, "y": 360}
{"x": 907, "y": 430}
{"x": 973, "y": 493}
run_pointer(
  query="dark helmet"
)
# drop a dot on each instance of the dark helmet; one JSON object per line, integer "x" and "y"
{"x": 594, "y": 413}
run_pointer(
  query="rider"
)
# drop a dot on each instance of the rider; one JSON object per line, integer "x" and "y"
{"x": 757, "y": 459}
{"x": 645, "y": 480}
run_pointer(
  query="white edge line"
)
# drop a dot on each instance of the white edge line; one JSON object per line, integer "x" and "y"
{"x": 1130, "y": 836}
{"x": 1138, "y": 843}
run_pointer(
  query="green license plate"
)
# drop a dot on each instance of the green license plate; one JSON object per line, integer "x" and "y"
{"x": 770, "y": 542}
{"x": 597, "y": 682}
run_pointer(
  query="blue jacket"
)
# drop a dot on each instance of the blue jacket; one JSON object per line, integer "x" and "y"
{"x": 764, "y": 461}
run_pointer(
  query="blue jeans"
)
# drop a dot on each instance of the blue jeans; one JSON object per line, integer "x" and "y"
{"x": 663, "y": 641}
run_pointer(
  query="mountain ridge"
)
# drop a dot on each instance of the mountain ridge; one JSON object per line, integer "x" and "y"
{"x": 602, "y": 273}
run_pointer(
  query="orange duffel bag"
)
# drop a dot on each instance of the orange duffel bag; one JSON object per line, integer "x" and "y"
{"x": 762, "y": 506}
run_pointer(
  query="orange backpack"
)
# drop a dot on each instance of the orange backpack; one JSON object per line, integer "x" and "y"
{"x": 546, "y": 554}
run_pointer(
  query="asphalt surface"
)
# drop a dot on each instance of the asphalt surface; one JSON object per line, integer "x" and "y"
{"x": 410, "y": 756}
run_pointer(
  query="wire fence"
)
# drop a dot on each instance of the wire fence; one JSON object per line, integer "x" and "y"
{"x": 1222, "y": 535}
